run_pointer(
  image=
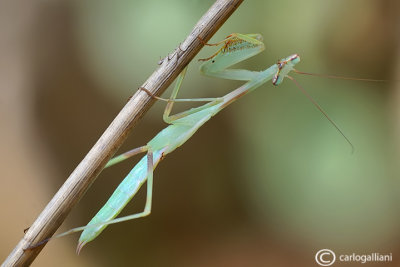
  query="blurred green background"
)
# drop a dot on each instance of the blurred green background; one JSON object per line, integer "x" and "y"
{"x": 268, "y": 182}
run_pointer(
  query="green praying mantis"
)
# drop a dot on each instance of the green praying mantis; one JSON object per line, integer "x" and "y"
{"x": 234, "y": 48}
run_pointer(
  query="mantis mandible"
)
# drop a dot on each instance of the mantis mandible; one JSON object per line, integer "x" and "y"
{"x": 235, "y": 48}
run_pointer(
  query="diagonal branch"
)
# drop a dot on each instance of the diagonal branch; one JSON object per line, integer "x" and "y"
{"x": 86, "y": 172}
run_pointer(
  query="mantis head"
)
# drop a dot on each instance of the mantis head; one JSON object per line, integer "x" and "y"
{"x": 285, "y": 66}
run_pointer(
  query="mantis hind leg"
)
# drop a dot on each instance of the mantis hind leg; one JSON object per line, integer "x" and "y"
{"x": 149, "y": 196}
{"x": 145, "y": 212}
{"x": 126, "y": 155}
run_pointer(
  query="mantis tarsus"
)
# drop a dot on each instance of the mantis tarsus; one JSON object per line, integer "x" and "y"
{"x": 235, "y": 48}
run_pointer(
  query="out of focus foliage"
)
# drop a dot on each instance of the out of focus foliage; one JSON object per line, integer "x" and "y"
{"x": 266, "y": 177}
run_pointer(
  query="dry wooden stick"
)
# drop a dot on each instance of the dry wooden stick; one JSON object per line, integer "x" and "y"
{"x": 86, "y": 172}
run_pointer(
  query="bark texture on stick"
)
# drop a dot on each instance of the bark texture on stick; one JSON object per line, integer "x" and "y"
{"x": 89, "y": 168}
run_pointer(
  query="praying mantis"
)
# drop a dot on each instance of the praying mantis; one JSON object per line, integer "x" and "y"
{"x": 234, "y": 48}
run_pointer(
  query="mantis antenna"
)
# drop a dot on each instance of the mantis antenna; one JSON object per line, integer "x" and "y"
{"x": 322, "y": 111}
{"x": 283, "y": 71}
{"x": 339, "y": 77}
{"x": 331, "y": 77}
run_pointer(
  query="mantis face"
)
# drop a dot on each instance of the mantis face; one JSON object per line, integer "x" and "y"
{"x": 284, "y": 67}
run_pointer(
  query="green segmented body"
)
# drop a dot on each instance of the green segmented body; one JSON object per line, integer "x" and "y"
{"x": 184, "y": 125}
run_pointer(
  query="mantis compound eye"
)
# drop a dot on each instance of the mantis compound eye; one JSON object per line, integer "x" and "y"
{"x": 276, "y": 78}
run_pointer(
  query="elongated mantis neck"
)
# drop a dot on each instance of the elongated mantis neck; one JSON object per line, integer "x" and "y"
{"x": 276, "y": 73}
{"x": 263, "y": 77}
